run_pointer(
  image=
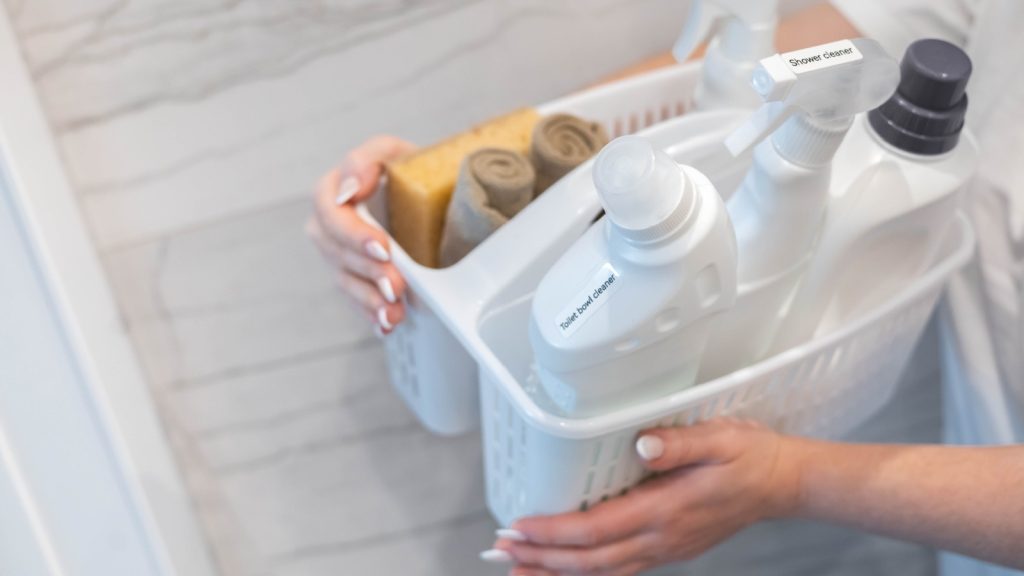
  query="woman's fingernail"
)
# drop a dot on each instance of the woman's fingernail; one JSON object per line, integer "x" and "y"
{"x": 376, "y": 251}
{"x": 496, "y": 556}
{"x": 382, "y": 318}
{"x": 650, "y": 447}
{"x": 349, "y": 187}
{"x": 385, "y": 287}
{"x": 510, "y": 534}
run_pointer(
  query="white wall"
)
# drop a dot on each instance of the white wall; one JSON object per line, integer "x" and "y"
{"x": 21, "y": 549}
{"x": 88, "y": 474}
{"x": 71, "y": 509}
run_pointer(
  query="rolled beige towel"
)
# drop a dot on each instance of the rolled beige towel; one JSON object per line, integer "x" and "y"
{"x": 560, "y": 143}
{"x": 494, "y": 184}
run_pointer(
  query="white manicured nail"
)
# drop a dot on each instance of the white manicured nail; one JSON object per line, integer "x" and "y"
{"x": 382, "y": 318}
{"x": 349, "y": 187}
{"x": 376, "y": 251}
{"x": 496, "y": 556}
{"x": 650, "y": 447}
{"x": 385, "y": 287}
{"x": 510, "y": 534}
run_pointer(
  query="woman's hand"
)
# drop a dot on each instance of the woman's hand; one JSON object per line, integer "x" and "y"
{"x": 358, "y": 252}
{"x": 719, "y": 477}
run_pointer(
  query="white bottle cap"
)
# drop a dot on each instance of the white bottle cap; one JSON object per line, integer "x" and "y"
{"x": 644, "y": 192}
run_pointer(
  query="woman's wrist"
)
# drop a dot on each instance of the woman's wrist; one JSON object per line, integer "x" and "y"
{"x": 785, "y": 485}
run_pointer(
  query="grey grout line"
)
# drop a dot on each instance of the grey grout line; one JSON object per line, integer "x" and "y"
{"x": 363, "y": 437}
{"x": 93, "y": 18}
{"x": 283, "y": 418}
{"x": 246, "y": 77}
{"x": 270, "y": 365}
{"x": 228, "y": 151}
{"x": 330, "y": 549}
{"x": 41, "y": 70}
{"x": 160, "y": 17}
{"x": 204, "y": 156}
{"x": 400, "y": 83}
{"x": 306, "y": 197}
{"x": 170, "y": 315}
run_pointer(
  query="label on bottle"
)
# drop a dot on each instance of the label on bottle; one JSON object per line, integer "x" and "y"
{"x": 594, "y": 293}
{"x": 818, "y": 57}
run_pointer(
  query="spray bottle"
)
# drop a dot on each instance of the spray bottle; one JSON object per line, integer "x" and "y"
{"x": 742, "y": 32}
{"x": 623, "y": 316}
{"x": 811, "y": 97}
{"x": 894, "y": 195}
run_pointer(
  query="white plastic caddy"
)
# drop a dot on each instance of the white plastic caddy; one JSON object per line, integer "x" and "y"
{"x": 430, "y": 369}
{"x": 476, "y": 313}
{"x": 538, "y": 462}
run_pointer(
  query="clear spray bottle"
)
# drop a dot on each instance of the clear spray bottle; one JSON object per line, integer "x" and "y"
{"x": 742, "y": 32}
{"x": 810, "y": 99}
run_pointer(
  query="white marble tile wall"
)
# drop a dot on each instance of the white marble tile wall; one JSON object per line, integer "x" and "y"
{"x": 193, "y": 129}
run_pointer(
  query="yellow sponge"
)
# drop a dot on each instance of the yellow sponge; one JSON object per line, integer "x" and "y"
{"x": 420, "y": 184}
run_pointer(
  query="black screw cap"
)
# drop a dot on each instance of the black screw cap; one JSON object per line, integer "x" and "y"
{"x": 926, "y": 114}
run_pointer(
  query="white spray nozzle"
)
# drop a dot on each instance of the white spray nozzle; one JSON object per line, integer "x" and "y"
{"x": 753, "y": 34}
{"x": 831, "y": 82}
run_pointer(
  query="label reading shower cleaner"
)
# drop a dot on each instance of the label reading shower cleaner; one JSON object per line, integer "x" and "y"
{"x": 823, "y": 56}
{"x": 593, "y": 295}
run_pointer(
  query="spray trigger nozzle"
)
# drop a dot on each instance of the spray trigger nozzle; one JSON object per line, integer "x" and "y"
{"x": 828, "y": 83}
{"x": 708, "y": 17}
{"x": 702, "y": 22}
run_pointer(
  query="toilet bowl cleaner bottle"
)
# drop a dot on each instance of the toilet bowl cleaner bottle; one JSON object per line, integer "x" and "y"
{"x": 894, "y": 196}
{"x": 811, "y": 97}
{"x": 623, "y": 316}
{"x": 742, "y": 32}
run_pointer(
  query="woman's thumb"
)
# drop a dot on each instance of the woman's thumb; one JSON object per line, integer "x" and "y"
{"x": 705, "y": 443}
{"x": 362, "y": 168}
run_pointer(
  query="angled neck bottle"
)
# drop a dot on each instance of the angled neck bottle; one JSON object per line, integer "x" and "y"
{"x": 623, "y": 316}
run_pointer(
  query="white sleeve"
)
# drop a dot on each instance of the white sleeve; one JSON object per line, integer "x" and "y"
{"x": 897, "y": 23}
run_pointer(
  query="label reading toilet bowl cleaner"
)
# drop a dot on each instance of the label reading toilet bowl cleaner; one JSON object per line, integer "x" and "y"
{"x": 594, "y": 293}
{"x": 818, "y": 57}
